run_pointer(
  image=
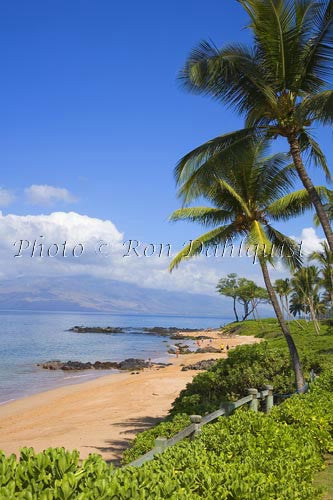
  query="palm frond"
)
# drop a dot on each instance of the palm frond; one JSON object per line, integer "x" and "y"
{"x": 258, "y": 240}
{"x": 314, "y": 152}
{"x": 204, "y": 215}
{"x": 318, "y": 107}
{"x": 232, "y": 75}
{"x": 285, "y": 248}
{"x": 317, "y": 60}
{"x": 228, "y": 144}
{"x": 212, "y": 238}
{"x": 279, "y": 27}
{"x": 294, "y": 204}
{"x": 275, "y": 177}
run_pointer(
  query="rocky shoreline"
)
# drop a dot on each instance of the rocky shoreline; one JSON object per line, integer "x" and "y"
{"x": 173, "y": 332}
{"x": 129, "y": 364}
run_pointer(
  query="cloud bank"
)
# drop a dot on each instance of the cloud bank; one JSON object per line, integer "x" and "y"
{"x": 36, "y": 239}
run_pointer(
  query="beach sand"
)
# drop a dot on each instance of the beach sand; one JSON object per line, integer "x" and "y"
{"x": 102, "y": 415}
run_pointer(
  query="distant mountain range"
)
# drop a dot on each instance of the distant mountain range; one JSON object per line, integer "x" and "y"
{"x": 88, "y": 294}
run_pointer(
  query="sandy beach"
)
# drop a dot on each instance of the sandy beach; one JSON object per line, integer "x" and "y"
{"x": 102, "y": 415}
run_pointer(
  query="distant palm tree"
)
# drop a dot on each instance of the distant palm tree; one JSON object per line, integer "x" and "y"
{"x": 306, "y": 286}
{"x": 283, "y": 289}
{"x": 325, "y": 260}
{"x": 297, "y": 306}
{"x": 244, "y": 199}
{"x": 282, "y": 85}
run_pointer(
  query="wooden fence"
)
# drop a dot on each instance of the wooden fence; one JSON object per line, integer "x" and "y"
{"x": 193, "y": 430}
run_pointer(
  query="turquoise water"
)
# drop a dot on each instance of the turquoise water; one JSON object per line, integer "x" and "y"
{"x": 30, "y": 338}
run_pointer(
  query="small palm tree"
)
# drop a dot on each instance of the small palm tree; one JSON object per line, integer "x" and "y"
{"x": 297, "y": 306}
{"x": 244, "y": 200}
{"x": 282, "y": 85}
{"x": 283, "y": 289}
{"x": 325, "y": 260}
{"x": 306, "y": 286}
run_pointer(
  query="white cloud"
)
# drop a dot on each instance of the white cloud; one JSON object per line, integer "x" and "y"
{"x": 310, "y": 241}
{"x": 199, "y": 275}
{"x": 6, "y": 197}
{"x": 42, "y": 194}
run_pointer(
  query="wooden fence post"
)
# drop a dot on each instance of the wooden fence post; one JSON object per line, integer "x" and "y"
{"x": 228, "y": 407}
{"x": 253, "y": 405}
{"x": 160, "y": 444}
{"x": 312, "y": 375}
{"x": 196, "y": 419}
{"x": 269, "y": 399}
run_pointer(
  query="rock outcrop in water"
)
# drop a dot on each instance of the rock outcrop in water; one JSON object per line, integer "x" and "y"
{"x": 96, "y": 329}
{"x": 129, "y": 364}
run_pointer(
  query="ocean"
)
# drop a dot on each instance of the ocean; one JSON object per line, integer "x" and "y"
{"x": 28, "y": 338}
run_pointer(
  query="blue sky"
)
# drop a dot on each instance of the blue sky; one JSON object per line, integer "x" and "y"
{"x": 90, "y": 103}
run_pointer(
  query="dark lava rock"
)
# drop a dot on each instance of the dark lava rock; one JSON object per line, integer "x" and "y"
{"x": 167, "y": 332}
{"x": 96, "y": 329}
{"x": 200, "y": 365}
{"x": 203, "y": 350}
{"x": 76, "y": 365}
{"x": 68, "y": 365}
{"x": 55, "y": 364}
{"x": 105, "y": 365}
{"x": 133, "y": 364}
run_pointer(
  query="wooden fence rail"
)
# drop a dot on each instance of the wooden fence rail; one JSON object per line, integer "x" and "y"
{"x": 193, "y": 430}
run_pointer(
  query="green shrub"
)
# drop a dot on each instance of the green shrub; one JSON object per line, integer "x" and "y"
{"x": 144, "y": 441}
{"x": 311, "y": 412}
{"x": 245, "y": 456}
{"x": 246, "y": 366}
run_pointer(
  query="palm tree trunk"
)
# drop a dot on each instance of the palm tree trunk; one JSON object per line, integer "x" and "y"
{"x": 282, "y": 306}
{"x": 235, "y": 310}
{"x": 313, "y": 317}
{"x": 295, "y": 152}
{"x": 290, "y": 341}
{"x": 287, "y": 307}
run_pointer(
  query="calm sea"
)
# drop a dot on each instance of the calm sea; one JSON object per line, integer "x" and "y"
{"x": 27, "y": 338}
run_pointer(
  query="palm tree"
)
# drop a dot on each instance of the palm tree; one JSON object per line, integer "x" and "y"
{"x": 281, "y": 85}
{"x": 244, "y": 198}
{"x": 297, "y": 305}
{"x": 283, "y": 289}
{"x": 325, "y": 259}
{"x": 306, "y": 287}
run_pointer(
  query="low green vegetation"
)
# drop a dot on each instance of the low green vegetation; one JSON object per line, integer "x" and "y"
{"x": 244, "y": 456}
{"x": 144, "y": 441}
{"x": 269, "y": 328}
{"x": 247, "y": 455}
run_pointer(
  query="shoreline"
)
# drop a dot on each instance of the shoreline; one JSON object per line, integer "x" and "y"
{"x": 100, "y": 415}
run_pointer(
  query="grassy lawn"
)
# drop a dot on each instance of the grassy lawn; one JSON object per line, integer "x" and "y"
{"x": 325, "y": 479}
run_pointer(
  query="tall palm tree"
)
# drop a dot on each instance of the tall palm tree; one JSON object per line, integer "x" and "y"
{"x": 306, "y": 286}
{"x": 282, "y": 85}
{"x": 325, "y": 260}
{"x": 244, "y": 199}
